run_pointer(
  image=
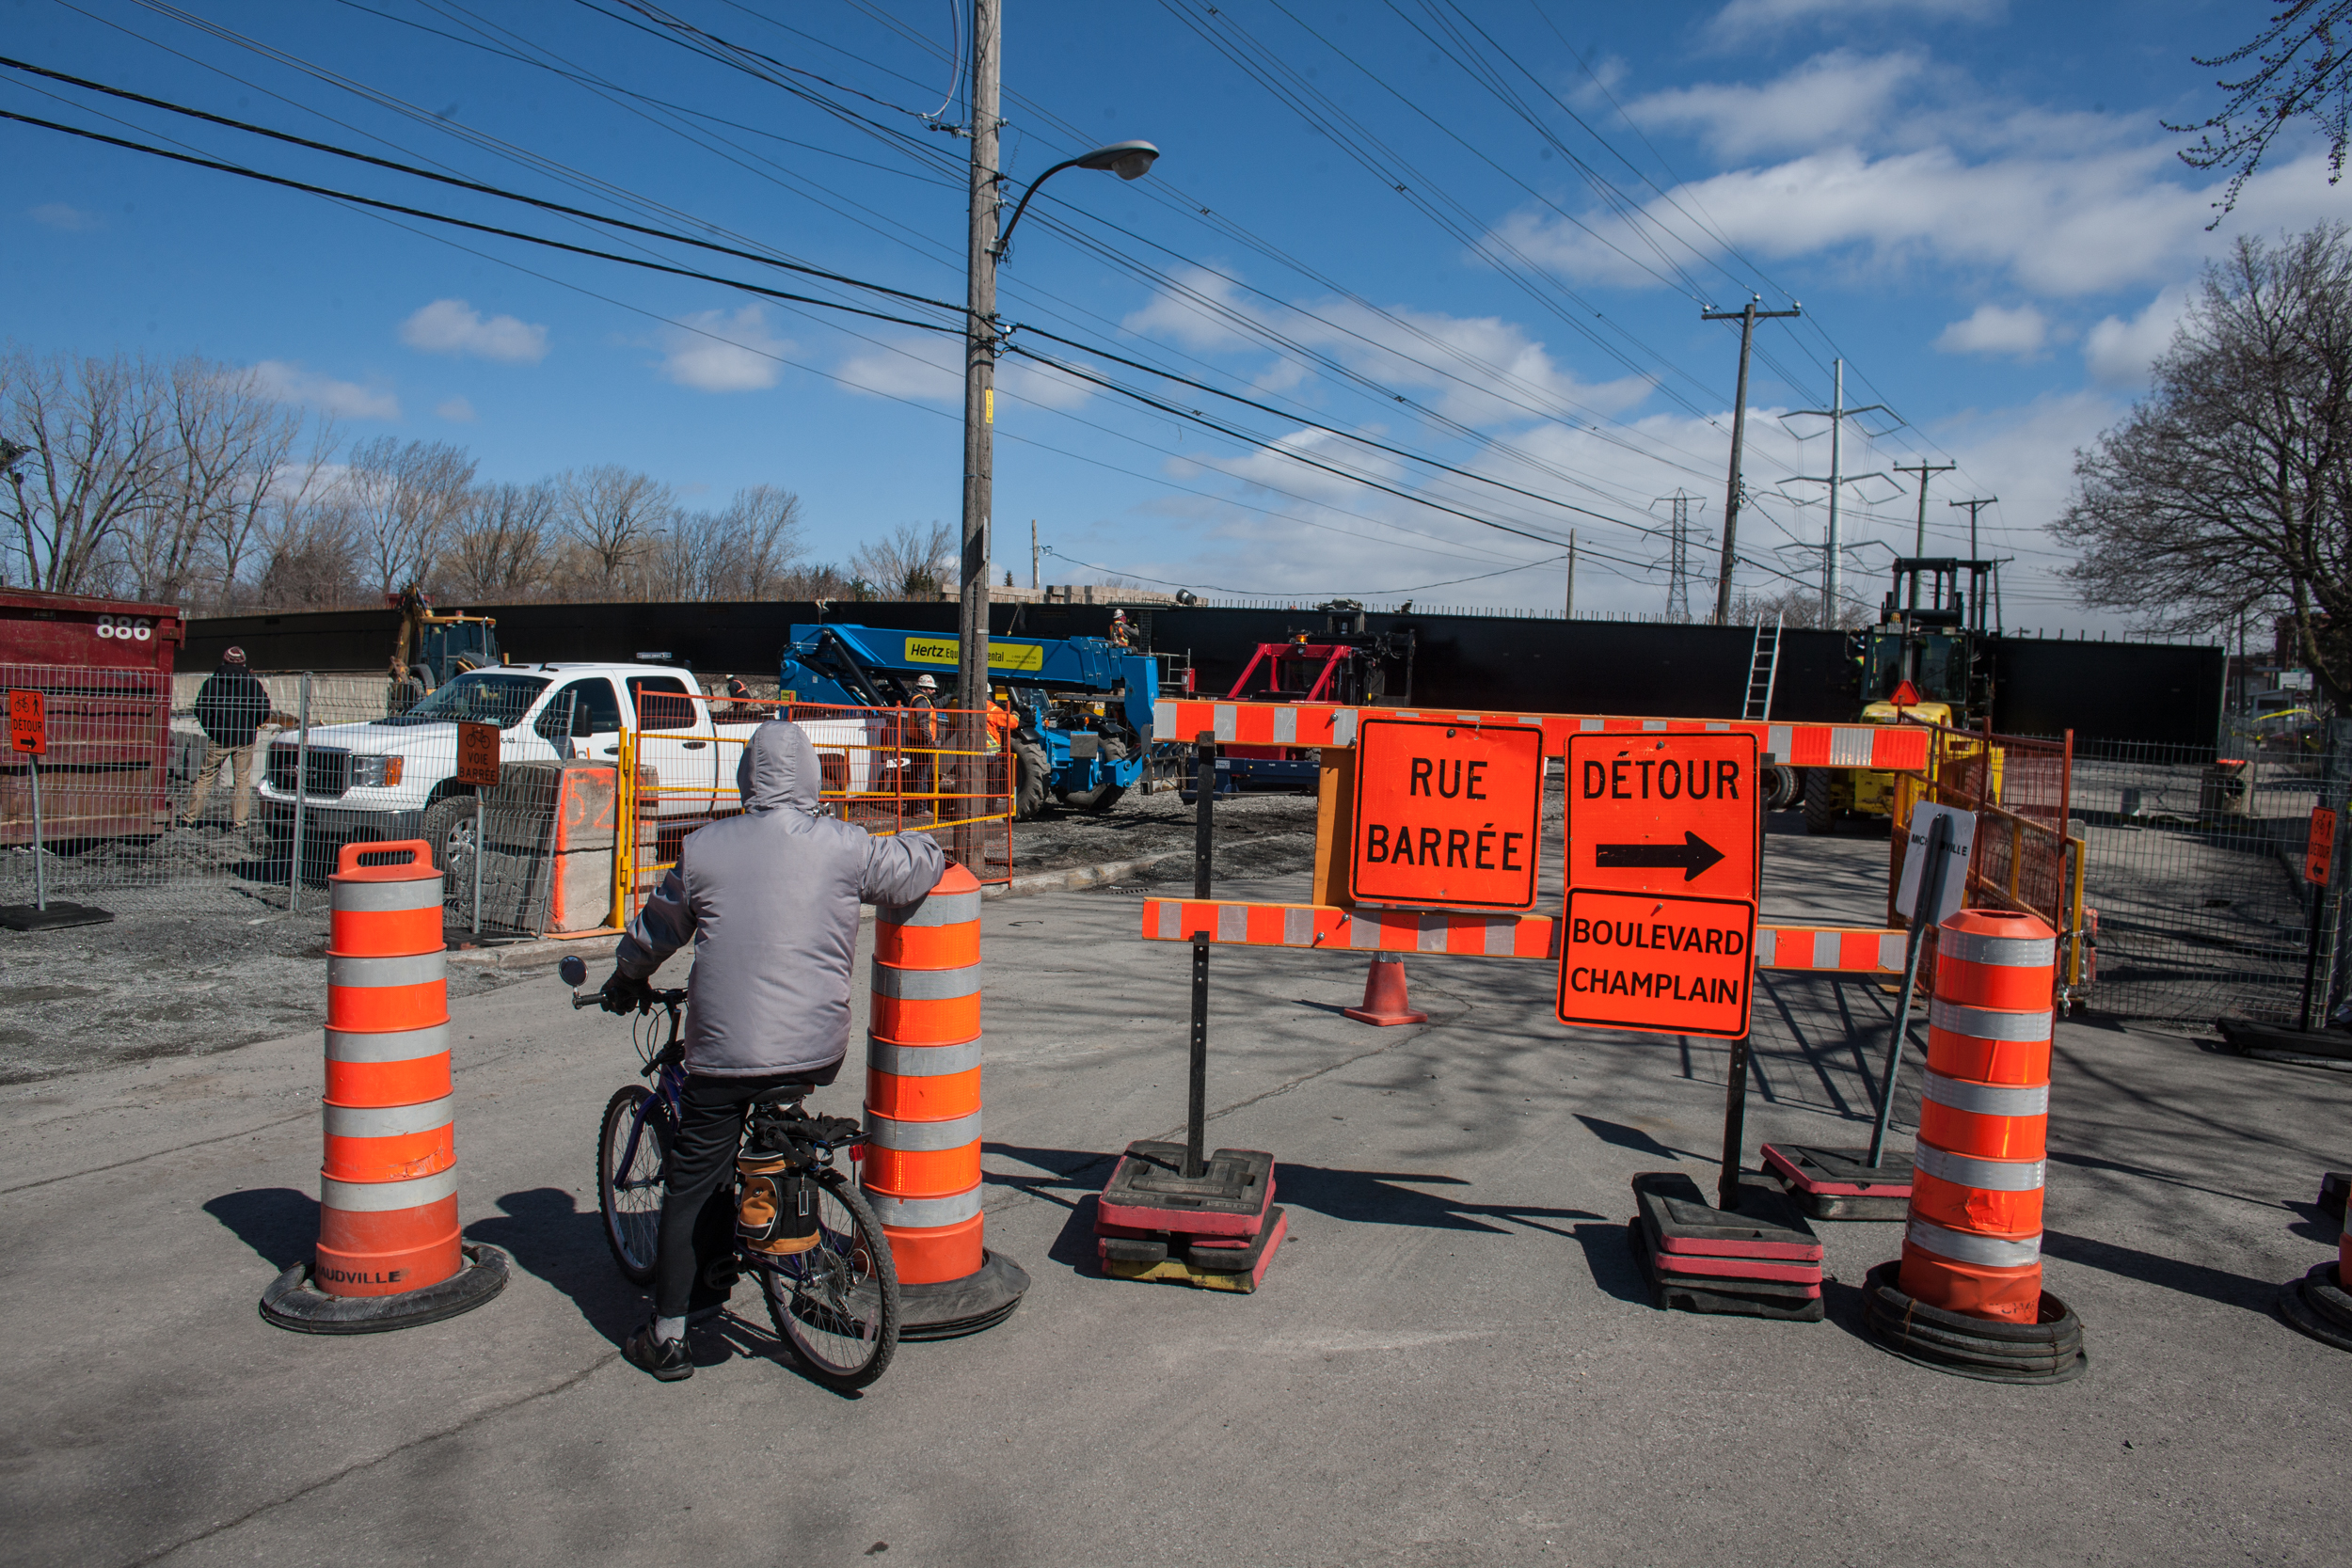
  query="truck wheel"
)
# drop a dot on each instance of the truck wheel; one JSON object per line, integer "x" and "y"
{"x": 1781, "y": 786}
{"x": 1030, "y": 771}
{"x": 448, "y": 826}
{"x": 1820, "y": 815}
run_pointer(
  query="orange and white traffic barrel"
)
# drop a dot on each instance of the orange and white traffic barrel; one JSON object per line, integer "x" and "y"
{"x": 1966, "y": 1294}
{"x": 921, "y": 1164}
{"x": 1974, "y": 1242}
{"x": 390, "y": 1254}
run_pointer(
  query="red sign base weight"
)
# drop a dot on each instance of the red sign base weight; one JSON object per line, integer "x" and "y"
{"x": 1218, "y": 1231}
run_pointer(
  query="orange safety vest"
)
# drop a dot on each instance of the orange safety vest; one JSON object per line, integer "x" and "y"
{"x": 1001, "y": 724}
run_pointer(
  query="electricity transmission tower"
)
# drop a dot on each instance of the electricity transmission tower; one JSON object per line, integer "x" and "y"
{"x": 1679, "y": 568}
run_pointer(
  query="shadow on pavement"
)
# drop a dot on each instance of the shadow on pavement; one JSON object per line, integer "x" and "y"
{"x": 2195, "y": 1279}
{"x": 547, "y": 1236}
{"x": 1633, "y": 1138}
{"x": 1610, "y": 1258}
{"x": 280, "y": 1223}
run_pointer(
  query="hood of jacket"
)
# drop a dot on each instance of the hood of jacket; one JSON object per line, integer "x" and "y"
{"x": 779, "y": 768}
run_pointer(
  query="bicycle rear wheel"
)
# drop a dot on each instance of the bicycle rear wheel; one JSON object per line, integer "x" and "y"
{"x": 630, "y": 1182}
{"x": 836, "y": 1304}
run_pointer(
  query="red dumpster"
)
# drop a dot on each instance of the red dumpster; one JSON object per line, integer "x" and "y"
{"x": 105, "y": 665}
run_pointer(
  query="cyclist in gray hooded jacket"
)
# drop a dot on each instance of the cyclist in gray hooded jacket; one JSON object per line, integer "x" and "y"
{"x": 769, "y": 900}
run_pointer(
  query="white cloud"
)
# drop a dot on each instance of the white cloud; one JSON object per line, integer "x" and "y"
{"x": 714, "y": 351}
{"x": 2117, "y": 352}
{"x": 56, "y": 214}
{"x": 1453, "y": 359}
{"x": 1828, "y": 96}
{"x": 2056, "y": 221}
{"x": 2021, "y": 331}
{"x": 287, "y": 382}
{"x": 930, "y": 366}
{"x": 453, "y": 326}
{"x": 1743, "y": 18}
{"x": 457, "y": 409}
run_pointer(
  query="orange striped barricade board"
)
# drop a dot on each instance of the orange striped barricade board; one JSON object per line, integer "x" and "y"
{"x": 1894, "y": 748}
{"x": 1820, "y": 949}
{"x": 390, "y": 1252}
{"x": 919, "y": 1165}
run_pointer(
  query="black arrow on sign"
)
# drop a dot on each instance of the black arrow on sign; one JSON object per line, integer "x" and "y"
{"x": 1692, "y": 855}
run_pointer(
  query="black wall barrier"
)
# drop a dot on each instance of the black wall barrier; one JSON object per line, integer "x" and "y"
{"x": 2149, "y": 691}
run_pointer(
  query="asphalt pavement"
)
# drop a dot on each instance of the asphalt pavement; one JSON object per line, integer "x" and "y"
{"x": 1452, "y": 1360}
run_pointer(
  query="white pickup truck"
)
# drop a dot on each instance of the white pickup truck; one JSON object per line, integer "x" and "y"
{"x": 394, "y": 777}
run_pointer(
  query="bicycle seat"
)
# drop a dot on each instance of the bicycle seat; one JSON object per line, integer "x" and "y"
{"x": 784, "y": 1094}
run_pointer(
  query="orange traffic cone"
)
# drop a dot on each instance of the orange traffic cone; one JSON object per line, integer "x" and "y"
{"x": 1385, "y": 1002}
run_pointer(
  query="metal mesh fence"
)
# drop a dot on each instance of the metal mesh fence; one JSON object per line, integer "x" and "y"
{"x": 2197, "y": 906}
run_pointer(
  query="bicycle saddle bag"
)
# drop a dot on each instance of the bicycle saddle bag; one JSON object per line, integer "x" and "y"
{"x": 775, "y": 1211}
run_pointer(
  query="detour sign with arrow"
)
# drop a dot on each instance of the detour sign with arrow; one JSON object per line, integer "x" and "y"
{"x": 1660, "y": 929}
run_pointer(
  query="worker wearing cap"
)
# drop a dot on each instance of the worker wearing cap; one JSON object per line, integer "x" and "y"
{"x": 1119, "y": 634}
{"x": 231, "y": 706}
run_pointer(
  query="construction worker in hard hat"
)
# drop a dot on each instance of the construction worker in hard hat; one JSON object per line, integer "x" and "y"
{"x": 1120, "y": 635}
{"x": 922, "y": 742}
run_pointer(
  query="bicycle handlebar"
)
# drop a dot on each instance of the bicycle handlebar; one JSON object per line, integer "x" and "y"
{"x": 666, "y": 998}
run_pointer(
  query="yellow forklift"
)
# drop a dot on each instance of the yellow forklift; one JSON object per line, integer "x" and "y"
{"x": 1928, "y": 660}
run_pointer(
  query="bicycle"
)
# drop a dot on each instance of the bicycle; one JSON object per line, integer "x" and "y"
{"x": 834, "y": 1304}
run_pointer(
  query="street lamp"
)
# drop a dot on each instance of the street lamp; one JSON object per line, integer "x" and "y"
{"x": 1129, "y": 160}
{"x": 985, "y": 249}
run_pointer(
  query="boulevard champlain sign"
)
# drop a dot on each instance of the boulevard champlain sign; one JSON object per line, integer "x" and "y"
{"x": 1447, "y": 814}
{"x": 1662, "y": 858}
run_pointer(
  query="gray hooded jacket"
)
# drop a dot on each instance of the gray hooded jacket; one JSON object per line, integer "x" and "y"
{"x": 771, "y": 900}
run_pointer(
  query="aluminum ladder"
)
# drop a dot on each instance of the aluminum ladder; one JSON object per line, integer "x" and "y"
{"x": 1763, "y": 669}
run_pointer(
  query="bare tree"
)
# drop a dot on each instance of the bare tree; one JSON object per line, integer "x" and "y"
{"x": 1797, "y": 607}
{"x": 906, "y": 563}
{"x": 312, "y": 551}
{"x": 2302, "y": 69}
{"x": 497, "y": 550}
{"x": 400, "y": 499}
{"x": 2228, "y": 489}
{"x": 97, "y": 433}
{"x": 758, "y": 537}
{"x": 610, "y": 511}
{"x": 241, "y": 527}
{"x": 228, "y": 443}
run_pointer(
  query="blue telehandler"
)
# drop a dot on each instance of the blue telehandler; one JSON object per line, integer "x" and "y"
{"x": 1083, "y": 704}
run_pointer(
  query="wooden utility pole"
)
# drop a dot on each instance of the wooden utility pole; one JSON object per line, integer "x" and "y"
{"x": 1570, "y": 610}
{"x": 1926, "y": 471}
{"x": 1973, "y": 507}
{"x": 1747, "y": 316}
{"x": 979, "y": 416}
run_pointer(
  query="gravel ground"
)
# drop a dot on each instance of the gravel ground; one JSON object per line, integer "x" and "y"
{"x": 1256, "y": 836}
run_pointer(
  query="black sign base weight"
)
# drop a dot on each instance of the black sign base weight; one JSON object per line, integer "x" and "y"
{"x": 1840, "y": 1184}
{"x": 1761, "y": 1261}
{"x": 1218, "y": 1231}
{"x": 27, "y": 917}
{"x": 2245, "y": 1038}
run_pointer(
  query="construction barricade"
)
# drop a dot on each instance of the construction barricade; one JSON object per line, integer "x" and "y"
{"x": 888, "y": 770}
{"x": 389, "y": 1252}
{"x": 1966, "y": 1294}
{"x": 920, "y": 1164}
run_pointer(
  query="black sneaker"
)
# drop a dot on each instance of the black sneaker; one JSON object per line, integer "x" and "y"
{"x": 665, "y": 1358}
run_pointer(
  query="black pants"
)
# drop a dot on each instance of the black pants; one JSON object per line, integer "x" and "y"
{"x": 698, "y": 1207}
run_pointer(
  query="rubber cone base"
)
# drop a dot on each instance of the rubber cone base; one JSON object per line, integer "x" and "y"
{"x": 954, "y": 1308}
{"x": 292, "y": 1302}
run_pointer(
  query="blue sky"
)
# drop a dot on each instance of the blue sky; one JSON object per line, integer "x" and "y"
{"x": 1975, "y": 203}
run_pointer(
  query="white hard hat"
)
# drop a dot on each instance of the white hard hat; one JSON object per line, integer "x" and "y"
{"x": 924, "y": 683}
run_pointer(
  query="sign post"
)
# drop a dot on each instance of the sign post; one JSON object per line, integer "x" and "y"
{"x": 29, "y": 737}
{"x": 2319, "y": 855}
{"x": 478, "y": 766}
{"x": 1935, "y": 882}
{"x": 1664, "y": 862}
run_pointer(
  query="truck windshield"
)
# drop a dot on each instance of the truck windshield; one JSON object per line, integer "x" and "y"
{"x": 480, "y": 697}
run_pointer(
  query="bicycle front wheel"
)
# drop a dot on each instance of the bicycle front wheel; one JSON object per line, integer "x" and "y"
{"x": 632, "y": 1174}
{"x": 836, "y": 1304}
